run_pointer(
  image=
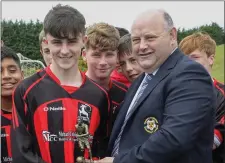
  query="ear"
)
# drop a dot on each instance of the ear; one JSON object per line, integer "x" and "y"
{"x": 22, "y": 75}
{"x": 85, "y": 39}
{"x": 84, "y": 55}
{"x": 211, "y": 59}
{"x": 173, "y": 35}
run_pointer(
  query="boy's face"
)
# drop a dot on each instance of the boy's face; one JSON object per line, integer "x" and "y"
{"x": 11, "y": 75}
{"x": 46, "y": 53}
{"x": 129, "y": 66}
{"x": 65, "y": 52}
{"x": 100, "y": 63}
{"x": 202, "y": 58}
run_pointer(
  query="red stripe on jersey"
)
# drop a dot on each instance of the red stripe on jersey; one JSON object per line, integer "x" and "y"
{"x": 115, "y": 103}
{"x": 32, "y": 85}
{"x": 69, "y": 122}
{"x": 40, "y": 125}
{"x": 94, "y": 123}
{"x": 7, "y": 116}
{"x": 104, "y": 92}
{"x": 8, "y": 142}
{"x": 14, "y": 113}
{"x": 107, "y": 95}
{"x": 215, "y": 82}
{"x": 120, "y": 87}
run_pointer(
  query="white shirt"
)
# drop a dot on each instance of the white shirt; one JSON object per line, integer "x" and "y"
{"x": 135, "y": 97}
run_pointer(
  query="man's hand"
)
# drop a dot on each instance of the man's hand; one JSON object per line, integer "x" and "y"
{"x": 106, "y": 160}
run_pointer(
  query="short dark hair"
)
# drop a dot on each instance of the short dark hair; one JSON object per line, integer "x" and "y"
{"x": 7, "y": 52}
{"x": 125, "y": 45}
{"x": 122, "y": 31}
{"x": 61, "y": 21}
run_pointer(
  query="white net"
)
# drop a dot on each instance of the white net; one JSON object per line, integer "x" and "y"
{"x": 30, "y": 66}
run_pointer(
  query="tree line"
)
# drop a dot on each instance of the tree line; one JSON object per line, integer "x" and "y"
{"x": 23, "y": 36}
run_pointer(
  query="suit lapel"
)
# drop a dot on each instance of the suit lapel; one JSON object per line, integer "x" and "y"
{"x": 123, "y": 110}
{"x": 163, "y": 71}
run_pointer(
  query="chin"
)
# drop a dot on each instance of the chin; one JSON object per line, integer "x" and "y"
{"x": 6, "y": 93}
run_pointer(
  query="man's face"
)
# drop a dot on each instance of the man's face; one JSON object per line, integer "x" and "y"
{"x": 202, "y": 58}
{"x": 100, "y": 63}
{"x": 11, "y": 74}
{"x": 151, "y": 43}
{"x": 65, "y": 52}
{"x": 46, "y": 53}
{"x": 130, "y": 68}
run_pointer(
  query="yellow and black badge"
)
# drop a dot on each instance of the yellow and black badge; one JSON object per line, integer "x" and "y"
{"x": 151, "y": 125}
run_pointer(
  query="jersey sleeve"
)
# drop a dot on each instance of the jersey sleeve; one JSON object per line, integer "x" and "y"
{"x": 21, "y": 139}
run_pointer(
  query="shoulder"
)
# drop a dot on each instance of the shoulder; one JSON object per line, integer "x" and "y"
{"x": 28, "y": 83}
{"x": 119, "y": 85}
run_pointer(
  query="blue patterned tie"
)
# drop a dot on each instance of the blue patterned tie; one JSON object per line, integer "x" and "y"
{"x": 117, "y": 142}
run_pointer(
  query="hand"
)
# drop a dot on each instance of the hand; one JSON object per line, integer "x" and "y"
{"x": 214, "y": 146}
{"x": 106, "y": 160}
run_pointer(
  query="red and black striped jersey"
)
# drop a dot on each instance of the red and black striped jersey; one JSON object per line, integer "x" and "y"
{"x": 117, "y": 94}
{"x": 6, "y": 154}
{"x": 45, "y": 114}
{"x": 219, "y": 130}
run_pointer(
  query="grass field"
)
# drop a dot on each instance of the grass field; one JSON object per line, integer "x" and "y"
{"x": 218, "y": 67}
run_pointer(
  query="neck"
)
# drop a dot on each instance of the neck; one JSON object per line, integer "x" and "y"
{"x": 6, "y": 103}
{"x": 69, "y": 77}
{"x": 102, "y": 82}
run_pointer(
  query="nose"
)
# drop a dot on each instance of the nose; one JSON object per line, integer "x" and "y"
{"x": 102, "y": 61}
{"x": 129, "y": 68}
{"x": 143, "y": 45}
{"x": 6, "y": 75}
{"x": 64, "y": 48}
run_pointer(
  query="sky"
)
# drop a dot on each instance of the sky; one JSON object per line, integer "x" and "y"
{"x": 186, "y": 15}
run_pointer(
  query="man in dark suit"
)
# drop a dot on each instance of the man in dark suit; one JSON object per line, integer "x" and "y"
{"x": 168, "y": 112}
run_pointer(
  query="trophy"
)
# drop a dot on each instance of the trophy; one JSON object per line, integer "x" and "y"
{"x": 83, "y": 139}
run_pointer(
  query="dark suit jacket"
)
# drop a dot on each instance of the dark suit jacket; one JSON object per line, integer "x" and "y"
{"x": 172, "y": 121}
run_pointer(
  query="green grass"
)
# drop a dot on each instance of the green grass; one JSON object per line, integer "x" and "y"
{"x": 218, "y": 67}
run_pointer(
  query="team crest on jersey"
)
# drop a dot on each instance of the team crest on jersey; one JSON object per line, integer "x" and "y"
{"x": 151, "y": 125}
{"x": 84, "y": 112}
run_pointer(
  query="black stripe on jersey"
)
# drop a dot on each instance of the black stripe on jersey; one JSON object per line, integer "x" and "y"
{"x": 4, "y": 151}
{"x": 55, "y": 124}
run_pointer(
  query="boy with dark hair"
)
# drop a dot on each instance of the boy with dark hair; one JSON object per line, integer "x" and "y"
{"x": 11, "y": 75}
{"x": 44, "y": 124}
{"x": 202, "y": 48}
{"x": 101, "y": 48}
{"x": 117, "y": 74}
{"x": 129, "y": 66}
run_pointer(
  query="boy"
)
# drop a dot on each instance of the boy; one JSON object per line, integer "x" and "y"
{"x": 11, "y": 75}
{"x": 117, "y": 75}
{"x": 100, "y": 53}
{"x": 44, "y": 50}
{"x": 128, "y": 63}
{"x": 202, "y": 48}
{"x": 44, "y": 124}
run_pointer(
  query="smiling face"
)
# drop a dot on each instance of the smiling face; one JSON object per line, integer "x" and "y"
{"x": 130, "y": 68}
{"x": 65, "y": 52}
{"x": 100, "y": 63}
{"x": 11, "y": 75}
{"x": 151, "y": 43}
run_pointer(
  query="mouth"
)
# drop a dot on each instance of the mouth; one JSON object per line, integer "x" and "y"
{"x": 8, "y": 85}
{"x": 65, "y": 57}
{"x": 133, "y": 76}
{"x": 145, "y": 54}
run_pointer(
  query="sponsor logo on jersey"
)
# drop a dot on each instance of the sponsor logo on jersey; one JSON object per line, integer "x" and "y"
{"x": 60, "y": 108}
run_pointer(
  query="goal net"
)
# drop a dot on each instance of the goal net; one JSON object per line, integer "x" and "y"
{"x": 30, "y": 66}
